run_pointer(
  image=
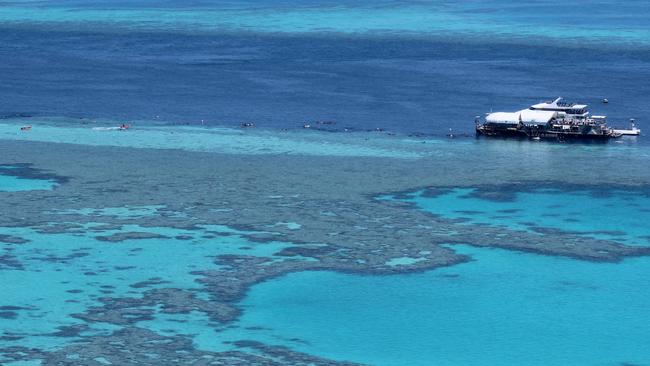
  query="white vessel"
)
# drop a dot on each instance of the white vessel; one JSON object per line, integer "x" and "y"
{"x": 557, "y": 120}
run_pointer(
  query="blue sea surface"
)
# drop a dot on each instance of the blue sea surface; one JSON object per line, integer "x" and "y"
{"x": 423, "y": 67}
{"x": 606, "y": 214}
{"x": 68, "y": 273}
{"x": 383, "y": 80}
{"x": 502, "y": 308}
{"x": 11, "y": 182}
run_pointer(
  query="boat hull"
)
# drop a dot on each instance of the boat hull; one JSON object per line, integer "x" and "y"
{"x": 541, "y": 133}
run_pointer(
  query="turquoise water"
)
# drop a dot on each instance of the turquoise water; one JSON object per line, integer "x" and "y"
{"x": 24, "y": 363}
{"x": 14, "y": 184}
{"x": 261, "y": 141}
{"x": 224, "y": 140}
{"x": 67, "y": 273}
{"x": 609, "y": 214}
{"x": 502, "y": 308}
{"x": 556, "y": 311}
{"x": 11, "y": 182}
{"x": 532, "y": 20}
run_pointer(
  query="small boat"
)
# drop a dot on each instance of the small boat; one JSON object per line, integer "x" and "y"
{"x": 122, "y": 127}
{"x": 26, "y": 128}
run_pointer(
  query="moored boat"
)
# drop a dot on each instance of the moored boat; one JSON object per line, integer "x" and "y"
{"x": 550, "y": 120}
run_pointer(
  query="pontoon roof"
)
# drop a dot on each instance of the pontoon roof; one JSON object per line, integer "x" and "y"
{"x": 527, "y": 116}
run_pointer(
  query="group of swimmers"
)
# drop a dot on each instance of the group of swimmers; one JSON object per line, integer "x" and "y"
{"x": 123, "y": 126}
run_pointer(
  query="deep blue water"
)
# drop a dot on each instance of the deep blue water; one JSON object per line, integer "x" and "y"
{"x": 416, "y": 80}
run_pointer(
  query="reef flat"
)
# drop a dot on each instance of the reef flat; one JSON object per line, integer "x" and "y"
{"x": 248, "y": 218}
{"x": 132, "y": 234}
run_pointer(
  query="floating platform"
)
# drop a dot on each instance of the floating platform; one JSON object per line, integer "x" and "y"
{"x": 631, "y": 132}
{"x": 556, "y": 120}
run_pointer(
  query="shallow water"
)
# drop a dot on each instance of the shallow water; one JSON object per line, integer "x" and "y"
{"x": 12, "y": 181}
{"x": 223, "y": 140}
{"x": 91, "y": 261}
{"x": 615, "y": 215}
{"x": 68, "y": 273}
{"x": 504, "y": 308}
{"x": 12, "y": 184}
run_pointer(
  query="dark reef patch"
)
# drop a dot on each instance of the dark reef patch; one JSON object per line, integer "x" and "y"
{"x": 69, "y": 331}
{"x": 150, "y": 282}
{"x": 27, "y": 171}
{"x": 8, "y": 314}
{"x": 133, "y": 235}
{"x": 14, "y": 308}
{"x": 344, "y": 229}
{"x": 305, "y": 251}
{"x": 10, "y": 239}
{"x": 10, "y": 261}
{"x": 138, "y": 346}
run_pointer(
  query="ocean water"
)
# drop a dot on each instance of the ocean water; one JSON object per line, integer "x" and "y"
{"x": 10, "y": 181}
{"x": 473, "y": 18}
{"x": 408, "y": 67}
{"x": 503, "y": 308}
{"x": 228, "y": 140}
{"x": 68, "y": 273}
{"x": 603, "y": 213}
{"x": 555, "y": 310}
{"x": 188, "y": 237}
{"x": 12, "y": 184}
